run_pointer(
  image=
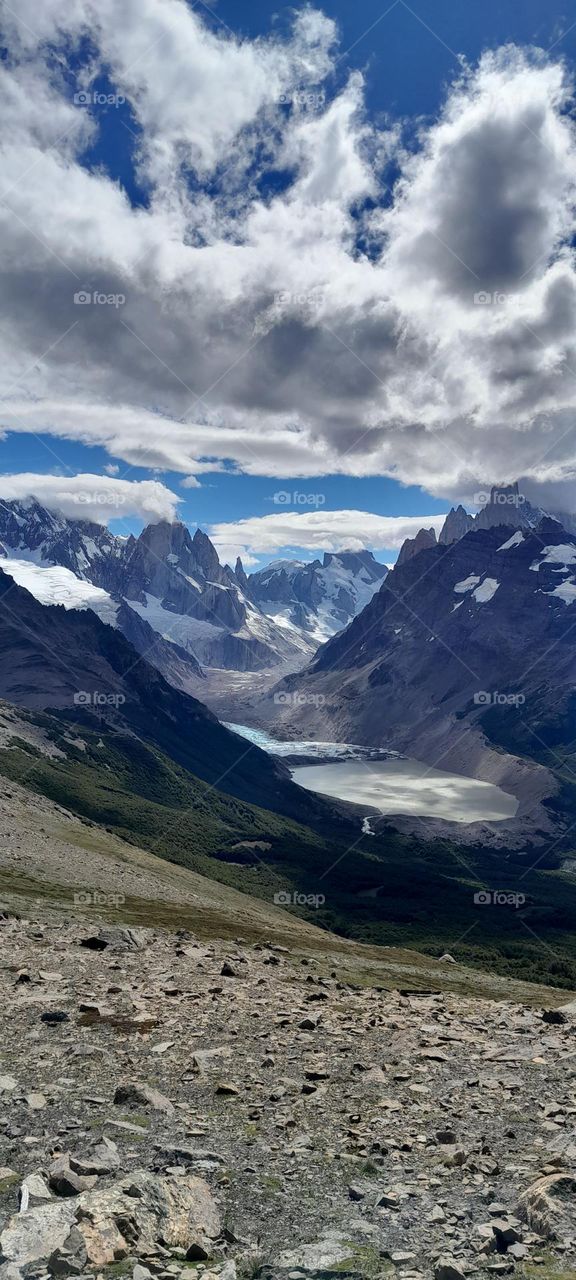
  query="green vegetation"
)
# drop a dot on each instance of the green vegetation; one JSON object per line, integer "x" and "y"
{"x": 549, "y": 1268}
{"x": 364, "y": 1260}
{"x": 389, "y": 890}
{"x": 11, "y": 1180}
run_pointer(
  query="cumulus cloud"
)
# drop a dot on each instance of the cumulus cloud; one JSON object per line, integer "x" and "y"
{"x": 321, "y": 327}
{"x": 317, "y": 531}
{"x": 97, "y": 498}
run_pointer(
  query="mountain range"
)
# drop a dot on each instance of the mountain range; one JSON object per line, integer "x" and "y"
{"x": 464, "y": 658}
{"x": 168, "y": 593}
{"x": 505, "y": 506}
{"x": 318, "y": 597}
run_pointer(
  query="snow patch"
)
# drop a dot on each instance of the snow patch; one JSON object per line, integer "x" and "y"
{"x": 515, "y": 541}
{"x": 467, "y": 584}
{"x": 565, "y": 591}
{"x": 486, "y": 590}
{"x": 563, "y": 554}
{"x": 51, "y": 584}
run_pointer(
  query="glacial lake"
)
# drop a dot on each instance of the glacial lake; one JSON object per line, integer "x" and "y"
{"x": 390, "y": 785}
{"x": 408, "y": 787}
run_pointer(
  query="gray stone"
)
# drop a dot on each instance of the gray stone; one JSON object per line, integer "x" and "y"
{"x": 447, "y": 1269}
{"x": 37, "y": 1189}
{"x": 142, "y": 1095}
{"x": 117, "y": 937}
{"x": 99, "y": 1160}
{"x": 549, "y": 1204}
{"x": 33, "y": 1236}
{"x": 36, "y": 1101}
{"x": 133, "y": 1215}
{"x": 64, "y": 1181}
{"x": 9, "y": 1272}
{"x": 70, "y": 1258}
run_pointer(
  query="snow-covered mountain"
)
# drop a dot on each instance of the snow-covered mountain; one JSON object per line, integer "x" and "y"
{"x": 318, "y": 597}
{"x": 165, "y": 589}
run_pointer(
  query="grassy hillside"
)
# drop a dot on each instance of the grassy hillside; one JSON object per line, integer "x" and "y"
{"x": 388, "y": 890}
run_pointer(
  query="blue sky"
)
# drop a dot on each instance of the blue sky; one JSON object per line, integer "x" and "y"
{"x": 408, "y": 56}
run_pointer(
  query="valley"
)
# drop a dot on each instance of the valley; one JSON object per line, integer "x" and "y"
{"x": 378, "y": 779}
{"x": 370, "y": 788}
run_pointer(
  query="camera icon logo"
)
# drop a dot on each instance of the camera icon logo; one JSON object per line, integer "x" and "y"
{"x": 82, "y": 298}
{"x": 282, "y": 899}
{"x": 483, "y": 898}
{"x": 82, "y": 99}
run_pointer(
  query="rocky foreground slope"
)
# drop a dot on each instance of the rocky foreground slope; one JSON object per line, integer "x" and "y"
{"x": 282, "y": 1104}
{"x": 172, "y": 1107}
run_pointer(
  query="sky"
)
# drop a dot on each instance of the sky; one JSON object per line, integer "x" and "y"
{"x": 301, "y": 275}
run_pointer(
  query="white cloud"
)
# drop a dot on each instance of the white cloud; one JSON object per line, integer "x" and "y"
{"x": 254, "y": 331}
{"x": 317, "y": 531}
{"x": 91, "y": 497}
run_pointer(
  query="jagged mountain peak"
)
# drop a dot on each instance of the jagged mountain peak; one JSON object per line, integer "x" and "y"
{"x": 318, "y": 596}
{"x": 506, "y": 506}
{"x": 457, "y": 523}
{"x": 207, "y": 556}
{"x": 172, "y": 582}
{"x": 240, "y": 574}
{"x": 412, "y": 546}
{"x": 170, "y": 533}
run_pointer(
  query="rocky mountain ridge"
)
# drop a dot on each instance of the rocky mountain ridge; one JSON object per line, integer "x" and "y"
{"x": 466, "y": 647}
{"x": 319, "y": 597}
{"x": 506, "y": 506}
{"x": 172, "y": 580}
{"x": 69, "y": 663}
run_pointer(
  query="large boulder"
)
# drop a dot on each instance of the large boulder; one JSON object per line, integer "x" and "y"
{"x": 133, "y": 1215}
{"x": 118, "y": 937}
{"x": 33, "y": 1236}
{"x": 134, "y": 1094}
{"x": 549, "y": 1204}
{"x": 104, "y": 1226}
